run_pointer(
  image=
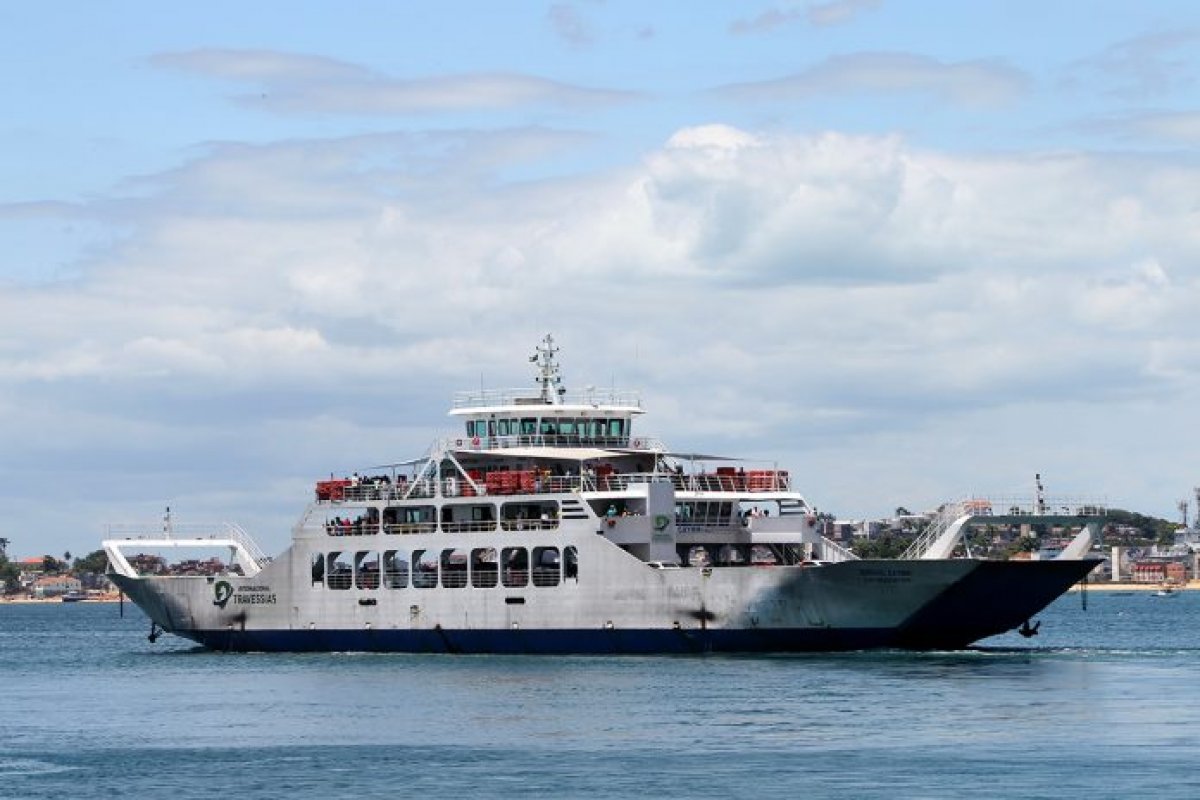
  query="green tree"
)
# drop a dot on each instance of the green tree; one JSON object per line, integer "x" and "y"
{"x": 886, "y": 546}
{"x": 10, "y": 575}
{"x": 95, "y": 561}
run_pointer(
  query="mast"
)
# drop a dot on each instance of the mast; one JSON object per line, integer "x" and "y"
{"x": 549, "y": 379}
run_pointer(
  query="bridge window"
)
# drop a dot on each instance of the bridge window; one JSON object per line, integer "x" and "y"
{"x": 528, "y": 426}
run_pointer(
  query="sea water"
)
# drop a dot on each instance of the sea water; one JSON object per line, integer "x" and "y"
{"x": 1104, "y": 702}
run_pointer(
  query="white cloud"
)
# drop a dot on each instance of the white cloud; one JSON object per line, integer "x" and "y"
{"x": 300, "y": 84}
{"x": 838, "y": 12}
{"x": 568, "y": 24}
{"x": 1171, "y": 127}
{"x": 773, "y": 294}
{"x": 1149, "y": 65}
{"x": 834, "y": 12}
{"x": 976, "y": 83}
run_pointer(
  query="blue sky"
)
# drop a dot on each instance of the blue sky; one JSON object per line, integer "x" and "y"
{"x": 911, "y": 250}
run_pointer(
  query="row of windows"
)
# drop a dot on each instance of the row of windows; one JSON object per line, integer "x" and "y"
{"x": 533, "y": 426}
{"x": 450, "y": 568}
{"x": 704, "y": 513}
{"x": 454, "y": 519}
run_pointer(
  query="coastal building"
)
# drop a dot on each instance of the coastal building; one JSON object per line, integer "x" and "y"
{"x": 54, "y": 586}
{"x": 1159, "y": 570}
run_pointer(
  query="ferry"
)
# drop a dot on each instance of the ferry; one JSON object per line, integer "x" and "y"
{"x": 547, "y": 522}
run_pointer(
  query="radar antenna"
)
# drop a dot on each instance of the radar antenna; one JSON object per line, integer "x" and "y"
{"x": 1182, "y": 505}
{"x": 549, "y": 379}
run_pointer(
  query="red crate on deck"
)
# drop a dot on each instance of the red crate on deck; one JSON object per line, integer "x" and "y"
{"x": 332, "y": 490}
{"x": 495, "y": 482}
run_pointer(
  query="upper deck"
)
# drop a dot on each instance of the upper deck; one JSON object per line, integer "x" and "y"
{"x": 523, "y": 400}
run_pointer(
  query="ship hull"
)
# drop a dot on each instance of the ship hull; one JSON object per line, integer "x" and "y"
{"x": 996, "y": 597}
{"x": 914, "y": 605}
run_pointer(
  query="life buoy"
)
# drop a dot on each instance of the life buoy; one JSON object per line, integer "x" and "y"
{"x": 637, "y": 444}
{"x": 475, "y": 442}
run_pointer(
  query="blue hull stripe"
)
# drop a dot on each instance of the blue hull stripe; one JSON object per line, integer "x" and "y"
{"x": 547, "y": 642}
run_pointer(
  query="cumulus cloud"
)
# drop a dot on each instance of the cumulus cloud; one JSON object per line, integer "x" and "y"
{"x": 772, "y": 294}
{"x": 303, "y": 84}
{"x": 969, "y": 83}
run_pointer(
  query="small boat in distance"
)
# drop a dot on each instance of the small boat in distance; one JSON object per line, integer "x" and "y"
{"x": 548, "y": 522}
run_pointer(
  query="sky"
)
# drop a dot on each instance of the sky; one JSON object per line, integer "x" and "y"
{"x": 909, "y": 250}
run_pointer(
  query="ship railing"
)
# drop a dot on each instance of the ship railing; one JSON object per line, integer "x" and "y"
{"x": 187, "y": 532}
{"x": 490, "y": 398}
{"x": 529, "y": 524}
{"x": 375, "y": 492}
{"x": 621, "y": 481}
{"x": 492, "y": 443}
{"x": 1049, "y": 505}
{"x": 1030, "y": 506}
{"x": 946, "y": 516}
{"x": 768, "y": 481}
{"x": 469, "y": 526}
{"x": 834, "y": 552}
{"x": 409, "y": 528}
{"x": 352, "y": 528}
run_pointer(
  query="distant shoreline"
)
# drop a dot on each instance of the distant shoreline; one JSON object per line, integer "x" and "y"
{"x": 30, "y": 600}
{"x": 1135, "y": 587}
